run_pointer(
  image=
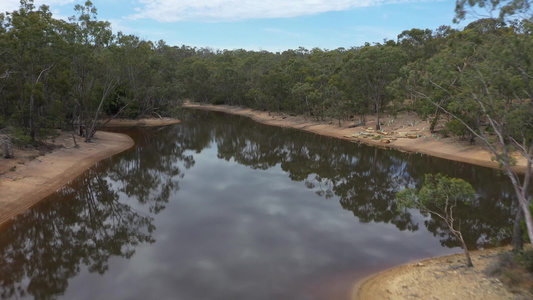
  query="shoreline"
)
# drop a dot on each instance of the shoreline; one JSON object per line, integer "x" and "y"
{"x": 29, "y": 182}
{"x": 445, "y": 148}
{"x": 441, "y": 277}
{"x": 31, "y": 175}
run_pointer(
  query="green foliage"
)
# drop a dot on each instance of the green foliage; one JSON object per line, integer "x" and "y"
{"x": 20, "y": 137}
{"x": 438, "y": 193}
{"x": 457, "y": 128}
{"x": 70, "y": 66}
{"x": 439, "y": 196}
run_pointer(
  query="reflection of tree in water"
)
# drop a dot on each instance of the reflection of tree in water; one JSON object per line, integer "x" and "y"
{"x": 150, "y": 172}
{"x": 86, "y": 223}
{"x": 84, "y": 226}
{"x": 366, "y": 179}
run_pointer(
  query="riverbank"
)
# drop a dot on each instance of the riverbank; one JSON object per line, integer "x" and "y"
{"x": 444, "y": 278}
{"x": 33, "y": 174}
{"x": 405, "y": 132}
{"x": 29, "y": 177}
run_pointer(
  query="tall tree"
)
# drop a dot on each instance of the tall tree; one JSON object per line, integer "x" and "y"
{"x": 491, "y": 97}
{"x": 375, "y": 67}
{"x": 30, "y": 38}
{"x": 95, "y": 73}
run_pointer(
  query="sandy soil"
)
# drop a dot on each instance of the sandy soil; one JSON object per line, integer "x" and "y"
{"x": 436, "y": 278}
{"x": 406, "y": 132}
{"x": 33, "y": 174}
{"x": 443, "y": 278}
{"x": 117, "y": 122}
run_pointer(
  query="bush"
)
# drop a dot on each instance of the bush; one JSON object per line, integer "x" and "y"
{"x": 526, "y": 258}
{"x": 497, "y": 268}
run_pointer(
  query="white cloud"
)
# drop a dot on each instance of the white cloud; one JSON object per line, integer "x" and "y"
{"x": 9, "y": 5}
{"x": 230, "y": 10}
{"x": 12, "y": 5}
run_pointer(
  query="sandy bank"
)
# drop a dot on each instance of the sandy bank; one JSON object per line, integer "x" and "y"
{"x": 410, "y": 124}
{"x": 28, "y": 181}
{"x": 142, "y": 122}
{"x": 444, "y": 278}
{"x": 34, "y": 174}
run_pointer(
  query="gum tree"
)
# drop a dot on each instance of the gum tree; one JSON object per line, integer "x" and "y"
{"x": 439, "y": 196}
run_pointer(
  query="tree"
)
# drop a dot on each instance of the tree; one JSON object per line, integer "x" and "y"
{"x": 375, "y": 68}
{"x": 439, "y": 196}
{"x": 94, "y": 70}
{"x": 30, "y": 39}
{"x": 493, "y": 86}
{"x": 505, "y": 8}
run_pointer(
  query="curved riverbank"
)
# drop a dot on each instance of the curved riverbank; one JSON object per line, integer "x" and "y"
{"x": 406, "y": 124}
{"x": 32, "y": 175}
{"x": 27, "y": 182}
{"x": 445, "y": 278}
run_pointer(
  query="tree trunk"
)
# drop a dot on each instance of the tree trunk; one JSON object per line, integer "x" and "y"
{"x": 32, "y": 124}
{"x": 518, "y": 232}
{"x": 468, "y": 258}
{"x": 109, "y": 87}
{"x": 459, "y": 236}
{"x": 90, "y": 133}
{"x": 378, "y": 126}
{"x": 527, "y": 215}
{"x": 522, "y": 201}
{"x": 7, "y": 150}
{"x": 435, "y": 120}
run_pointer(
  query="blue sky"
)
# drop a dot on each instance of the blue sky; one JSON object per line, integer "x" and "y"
{"x": 272, "y": 25}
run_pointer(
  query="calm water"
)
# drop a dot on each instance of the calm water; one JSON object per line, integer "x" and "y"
{"x": 220, "y": 207}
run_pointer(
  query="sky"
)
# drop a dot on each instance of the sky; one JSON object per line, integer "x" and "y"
{"x": 271, "y": 25}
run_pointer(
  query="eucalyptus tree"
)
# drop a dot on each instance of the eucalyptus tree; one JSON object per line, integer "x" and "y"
{"x": 197, "y": 76}
{"x": 485, "y": 75}
{"x": 94, "y": 73}
{"x": 5, "y": 70}
{"x": 29, "y": 36}
{"x": 228, "y": 79}
{"x": 440, "y": 196}
{"x": 372, "y": 69}
{"x": 504, "y": 9}
{"x": 505, "y": 96}
{"x": 149, "y": 73}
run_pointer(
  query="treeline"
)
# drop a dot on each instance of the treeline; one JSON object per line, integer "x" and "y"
{"x": 446, "y": 66}
{"x": 56, "y": 73}
{"x": 65, "y": 74}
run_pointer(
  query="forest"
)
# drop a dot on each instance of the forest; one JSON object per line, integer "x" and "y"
{"x": 58, "y": 74}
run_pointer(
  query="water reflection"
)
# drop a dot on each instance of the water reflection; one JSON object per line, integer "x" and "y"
{"x": 366, "y": 179}
{"x": 242, "y": 210}
{"x": 46, "y": 246}
{"x": 86, "y": 223}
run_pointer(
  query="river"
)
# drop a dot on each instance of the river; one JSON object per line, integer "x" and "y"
{"x": 221, "y": 207}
